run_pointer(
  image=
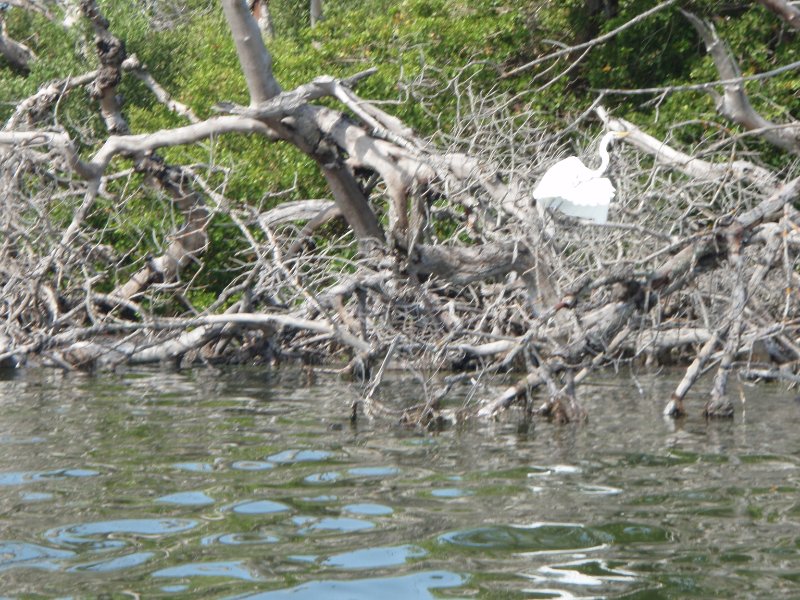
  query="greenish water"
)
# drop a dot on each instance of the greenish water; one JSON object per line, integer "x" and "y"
{"x": 250, "y": 484}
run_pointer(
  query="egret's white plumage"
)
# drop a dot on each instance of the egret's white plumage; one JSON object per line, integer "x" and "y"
{"x": 576, "y": 190}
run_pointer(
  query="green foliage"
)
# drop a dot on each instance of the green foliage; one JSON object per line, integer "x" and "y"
{"x": 665, "y": 50}
{"x": 56, "y": 58}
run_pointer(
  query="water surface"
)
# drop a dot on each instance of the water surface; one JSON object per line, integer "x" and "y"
{"x": 254, "y": 484}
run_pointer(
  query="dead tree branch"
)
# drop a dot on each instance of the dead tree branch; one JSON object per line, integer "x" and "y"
{"x": 734, "y": 103}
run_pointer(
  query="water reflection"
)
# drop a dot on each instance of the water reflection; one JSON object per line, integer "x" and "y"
{"x": 368, "y": 509}
{"x": 535, "y": 538}
{"x": 327, "y": 477}
{"x": 373, "y": 471}
{"x": 417, "y": 585}
{"x": 282, "y": 497}
{"x": 259, "y": 507}
{"x": 374, "y": 558}
{"x": 252, "y": 465}
{"x": 99, "y": 533}
{"x": 450, "y": 493}
{"x": 299, "y": 456}
{"x": 590, "y": 573}
{"x": 115, "y": 564}
{"x": 338, "y": 524}
{"x": 227, "y": 569}
{"x": 195, "y": 467}
{"x": 21, "y": 478}
{"x": 187, "y": 499}
{"x": 36, "y": 496}
{"x": 239, "y": 539}
{"x": 31, "y": 556}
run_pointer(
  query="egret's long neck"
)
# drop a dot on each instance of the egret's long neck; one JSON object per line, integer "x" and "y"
{"x": 605, "y": 158}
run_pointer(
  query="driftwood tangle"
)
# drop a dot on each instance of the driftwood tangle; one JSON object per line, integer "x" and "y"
{"x": 453, "y": 269}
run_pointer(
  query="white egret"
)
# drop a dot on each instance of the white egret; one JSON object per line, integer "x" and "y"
{"x": 576, "y": 190}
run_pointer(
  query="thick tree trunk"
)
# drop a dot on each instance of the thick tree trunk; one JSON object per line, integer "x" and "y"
{"x": 315, "y": 12}
{"x": 255, "y": 60}
{"x": 256, "y": 64}
{"x": 18, "y": 55}
{"x": 261, "y": 12}
{"x": 734, "y": 103}
{"x": 786, "y": 11}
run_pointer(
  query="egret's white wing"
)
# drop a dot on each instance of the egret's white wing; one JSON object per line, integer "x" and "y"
{"x": 561, "y": 177}
{"x": 575, "y": 190}
{"x": 589, "y": 200}
{"x": 594, "y": 192}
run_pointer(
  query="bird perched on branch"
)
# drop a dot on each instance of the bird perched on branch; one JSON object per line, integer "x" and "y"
{"x": 576, "y": 190}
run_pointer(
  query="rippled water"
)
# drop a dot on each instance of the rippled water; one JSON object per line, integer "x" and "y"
{"x": 251, "y": 484}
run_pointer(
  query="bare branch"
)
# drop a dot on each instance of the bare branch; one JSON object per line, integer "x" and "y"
{"x": 591, "y": 43}
{"x": 466, "y": 265}
{"x": 254, "y": 58}
{"x": 18, "y": 55}
{"x": 140, "y": 71}
{"x": 786, "y": 11}
{"x": 734, "y": 103}
{"x": 690, "y": 165}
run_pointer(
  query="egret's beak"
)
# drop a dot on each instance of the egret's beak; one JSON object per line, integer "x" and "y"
{"x": 621, "y": 134}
